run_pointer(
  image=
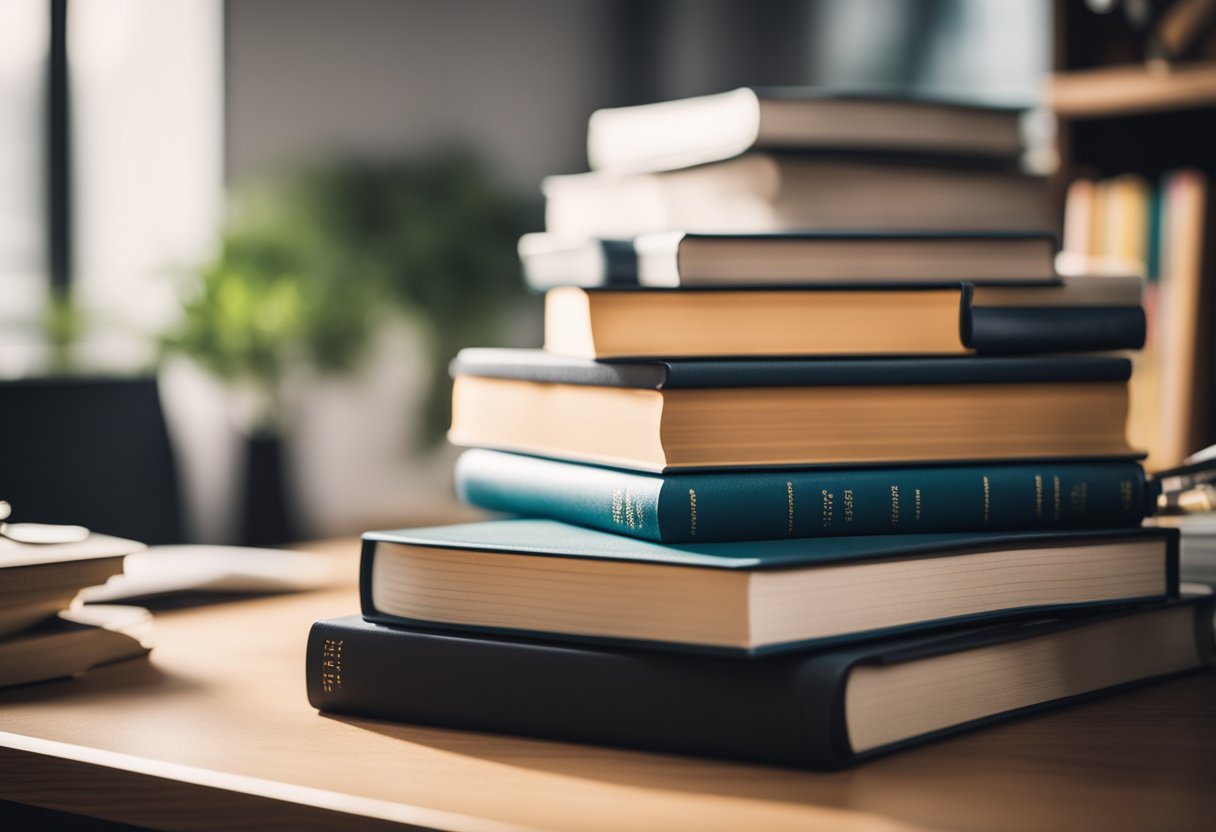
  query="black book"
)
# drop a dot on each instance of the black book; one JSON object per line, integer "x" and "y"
{"x": 819, "y": 710}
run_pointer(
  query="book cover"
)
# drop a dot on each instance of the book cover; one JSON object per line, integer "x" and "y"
{"x": 808, "y": 709}
{"x": 553, "y": 580}
{"x": 755, "y": 505}
{"x": 692, "y": 131}
{"x": 690, "y": 260}
{"x": 672, "y": 374}
{"x": 773, "y": 192}
{"x": 824, "y": 321}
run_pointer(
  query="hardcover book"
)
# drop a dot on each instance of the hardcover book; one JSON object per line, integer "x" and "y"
{"x": 757, "y": 505}
{"x": 818, "y": 710}
{"x": 680, "y": 259}
{"x": 673, "y": 415}
{"x": 763, "y": 192}
{"x": 830, "y": 321}
{"x": 546, "y": 578}
{"x": 694, "y": 131}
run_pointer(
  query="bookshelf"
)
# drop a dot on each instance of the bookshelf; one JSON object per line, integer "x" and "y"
{"x": 1119, "y": 116}
{"x": 1118, "y": 91}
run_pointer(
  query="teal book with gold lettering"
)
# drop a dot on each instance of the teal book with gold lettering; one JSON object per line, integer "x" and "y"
{"x": 756, "y": 505}
{"x": 554, "y": 580}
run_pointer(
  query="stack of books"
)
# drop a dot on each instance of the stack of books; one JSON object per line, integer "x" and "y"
{"x": 791, "y": 496}
{"x": 44, "y": 632}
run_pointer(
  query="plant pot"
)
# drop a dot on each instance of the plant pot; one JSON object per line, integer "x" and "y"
{"x": 266, "y": 509}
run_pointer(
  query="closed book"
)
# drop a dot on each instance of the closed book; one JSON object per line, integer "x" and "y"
{"x": 768, "y": 192}
{"x": 73, "y": 642}
{"x": 38, "y": 580}
{"x": 683, "y": 414}
{"x": 546, "y": 578}
{"x": 828, "y": 321}
{"x": 755, "y": 505}
{"x": 818, "y": 710}
{"x": 795, "y": 258}
{"x": 709, "y": 128}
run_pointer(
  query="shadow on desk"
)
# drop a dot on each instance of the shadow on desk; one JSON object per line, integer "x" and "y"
{"x": 95, "y": 685}
{"x": 1118, "y": 761}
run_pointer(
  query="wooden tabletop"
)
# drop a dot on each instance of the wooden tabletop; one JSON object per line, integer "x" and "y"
{"x": 214, "y": 731}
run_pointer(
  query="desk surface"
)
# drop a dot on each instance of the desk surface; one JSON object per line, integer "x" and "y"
{"x": 214, "y": 731}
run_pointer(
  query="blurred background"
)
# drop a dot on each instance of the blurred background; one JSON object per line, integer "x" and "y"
{"x": 243, "y": 238}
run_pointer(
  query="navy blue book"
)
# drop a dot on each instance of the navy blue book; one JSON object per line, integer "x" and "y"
{"x": 549, "y": 579}
{"x": 818, "y": 710}
{"x": 670, "y": 415}
{"x": 756, "y": 505}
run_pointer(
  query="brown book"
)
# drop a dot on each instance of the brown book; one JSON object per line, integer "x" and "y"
{"x": 621, "y": 324}
{"x": 709, "y": 128}
{"x": 759, "y": 193}
{"x": 672, "y": 429}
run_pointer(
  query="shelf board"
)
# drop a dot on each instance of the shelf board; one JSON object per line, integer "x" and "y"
{"x": 1131, "y": 90}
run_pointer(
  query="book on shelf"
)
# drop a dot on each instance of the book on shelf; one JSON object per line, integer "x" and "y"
{"x": 762, "y": 192}
{"x": 555, "y": 580}
{"x": 755, "y": 505}
{"x": 930, "y": 319}
{"x": 39, "y": 580}
{"x": 74, "y": 641}
{"x": 775, "y": 413}
{"x": 710, "y": 128}
{"x": 672, "y": 259}
{"x": 820, "y": 709}
{"x": 1157, "y": 230}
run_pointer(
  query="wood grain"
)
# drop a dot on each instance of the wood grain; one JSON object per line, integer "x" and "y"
{"x": 214, "y": 731}
{"x": 1128, "y": 90}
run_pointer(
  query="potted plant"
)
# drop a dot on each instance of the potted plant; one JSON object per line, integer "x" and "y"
{"x": 309, "y": 266}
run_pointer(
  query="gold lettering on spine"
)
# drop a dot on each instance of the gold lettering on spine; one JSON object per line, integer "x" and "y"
{"x": 1078, "y": 497}
{"x": 1055, "y": 485}
{"x": 789, "y": 500}
{"x": 987, "y": 499}
{"x": 917, "y": 493}
{"x": 1125, "y": 494}
{"x": 331, "y": 665}
{"x": 692, "y": 513}
{"x": 1038, "y": 496}
{"x": 895, "y": 505}
{"x": 848, "y": 505}
{"x": 829, "y": 507}
{"x": 618, "y": 506}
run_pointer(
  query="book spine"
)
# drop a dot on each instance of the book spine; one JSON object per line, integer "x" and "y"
{"x": 683, "y": 704}
{"x": 1020, "y": 331}
{"x": 713, "y": 507}
{"x": 600, "y": 498}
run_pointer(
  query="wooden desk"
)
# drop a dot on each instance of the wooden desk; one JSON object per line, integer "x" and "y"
{"x": 215, "y": 732}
